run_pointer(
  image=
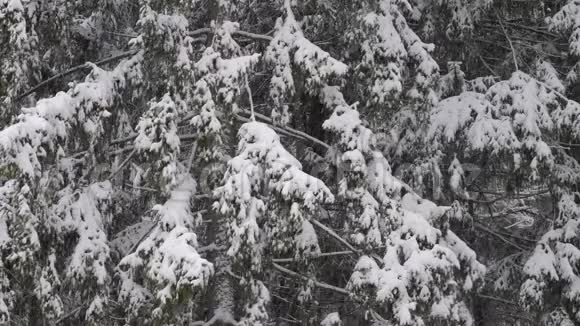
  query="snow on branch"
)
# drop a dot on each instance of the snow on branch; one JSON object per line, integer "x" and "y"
{"x": 48, "y": 123}
{"x": 263, "y": 166}
{"x": 166, "y": 266}
{"x": 84, "y": 212}
{"x": 383, "y": 210}
{"x": 290, "y": 48}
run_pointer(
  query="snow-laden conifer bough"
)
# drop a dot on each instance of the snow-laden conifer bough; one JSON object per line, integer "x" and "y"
{"x": 178, "y": 182}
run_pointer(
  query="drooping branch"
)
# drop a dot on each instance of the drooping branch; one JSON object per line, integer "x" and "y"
{"x": 254, "y": 36}
{"x": 73, "y": 70}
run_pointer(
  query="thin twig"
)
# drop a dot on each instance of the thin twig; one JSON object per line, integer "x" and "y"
{"x": 509, "y": 40}
{"x": 254, "y": 36}
{"x": 503, "y": 238}
{"x": 68, "y": 315}
{"x": 486, "y": 65}
{"x": 249, "y": 91}
{"x": 497, "y": 299}
{"x": 324, "y": 254}
{"x": 122, "y": 165}
{"x": 121, "y": 34}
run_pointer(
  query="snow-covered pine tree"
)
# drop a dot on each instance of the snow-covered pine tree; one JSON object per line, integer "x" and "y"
{"x": 223, "y": 73}
{"x": 518, "y": 125}
{"x": 566, "y": 22}
{"x": 72, "y": 175}
{"x": 168, "y": 66}
{"x": 52, "y": 200}
{"x": 20, "y": 62}
{"x": 265, "y": 177}
{"x": 165, "y": 271}
{"x": 459, "y": 17}
{"x": 402, "y": 87}
{"x": 157, "y": 139}
{"x": 391, "y": 54}
{"x": 291, "y": 54}
{"x": 425, "y": 271}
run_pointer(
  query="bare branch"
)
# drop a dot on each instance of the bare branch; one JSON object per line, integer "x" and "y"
{"x": 335, "y": 235}
{"x": 286, "y": 130}
{"x": 324, "y": 254}
{"x": 258, "y": 37}
{"x": 509, "y": 40}
{"x": 501, "y": 237}
{"x": 122, "y": 165}
{"x": 254, "y": 36}
{"x": 317, "y": 283}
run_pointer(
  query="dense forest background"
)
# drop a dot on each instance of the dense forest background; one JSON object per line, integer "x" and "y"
{"x": 289, "y": 162}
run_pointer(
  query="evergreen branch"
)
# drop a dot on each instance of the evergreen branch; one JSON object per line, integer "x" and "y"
{"x": 134, "y": 135}
{"x": 73, "y": 70}
{"x": 131, "y": 147}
